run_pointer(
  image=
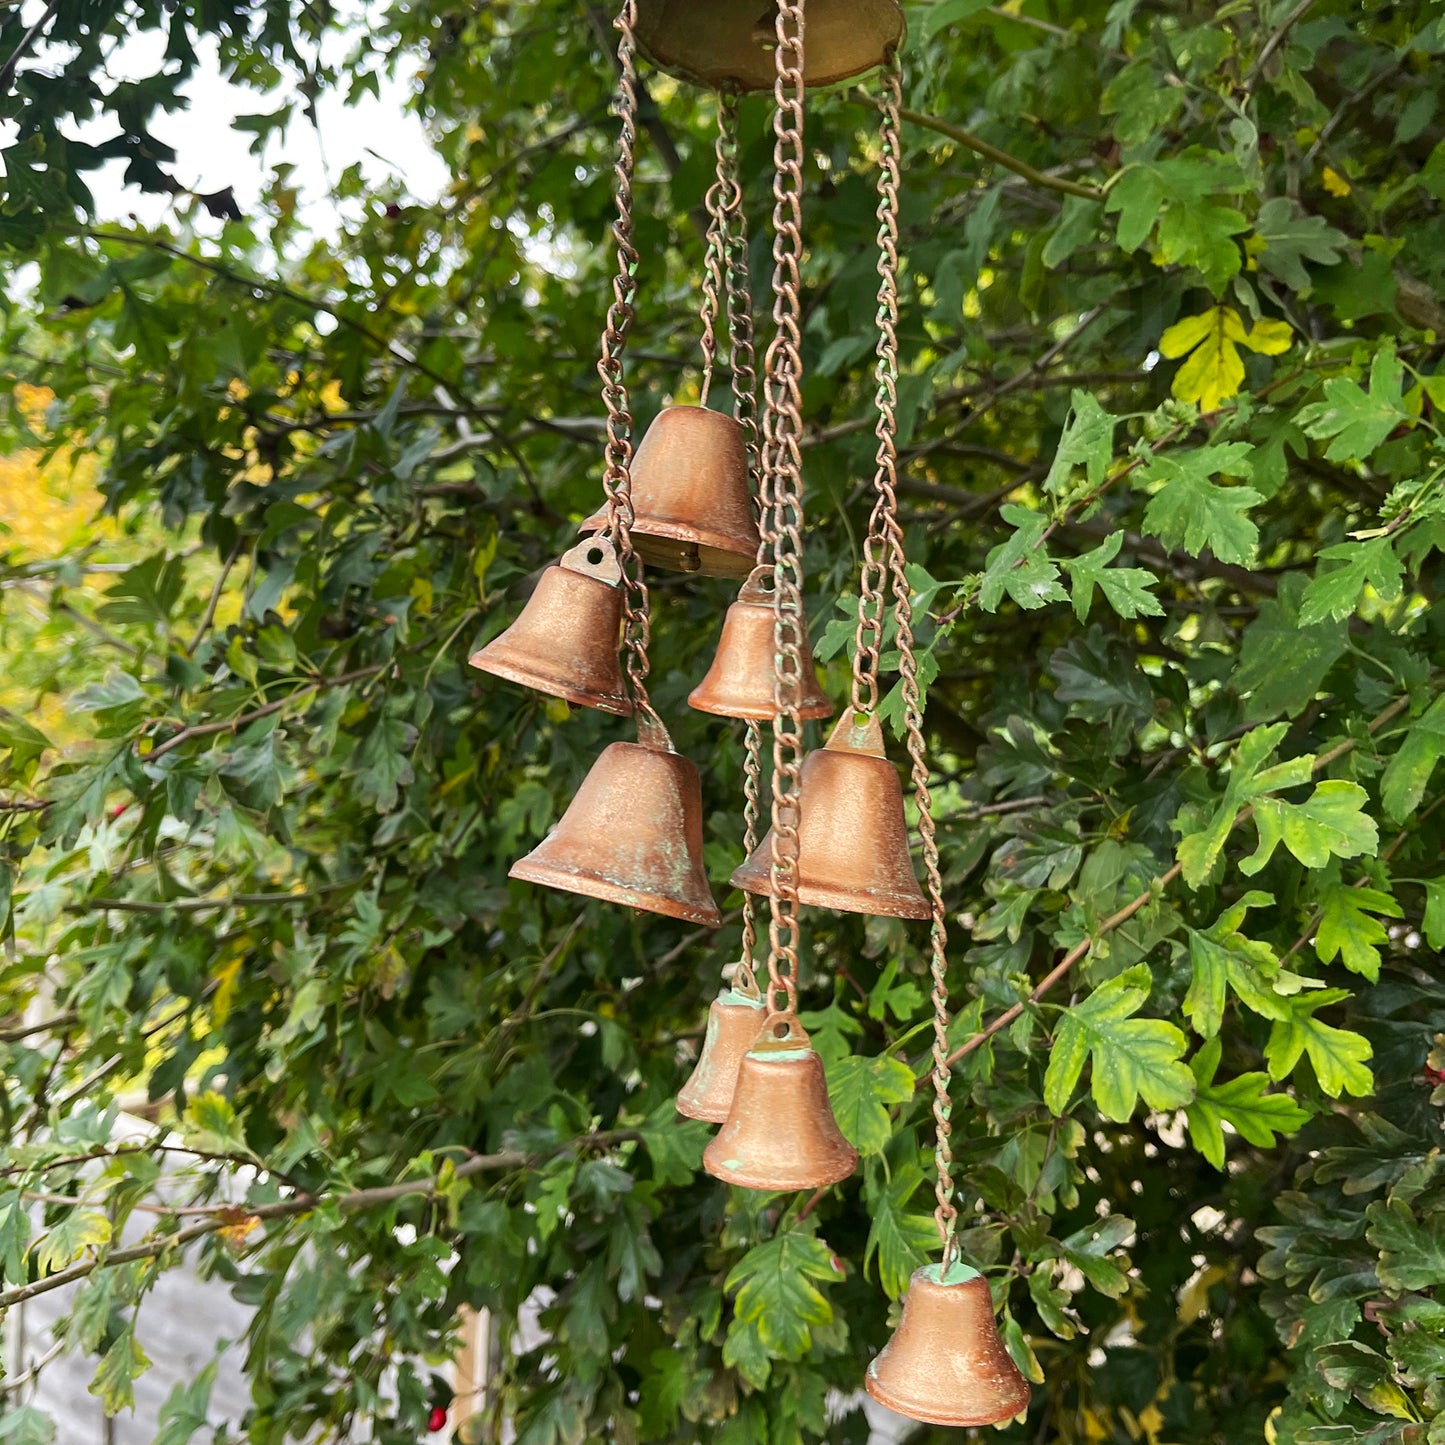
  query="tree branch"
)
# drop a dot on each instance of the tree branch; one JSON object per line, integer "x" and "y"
{"x": 357, "y": 1200}
{"x": 25, "y": 45}
{"x": 1081, "y": 950}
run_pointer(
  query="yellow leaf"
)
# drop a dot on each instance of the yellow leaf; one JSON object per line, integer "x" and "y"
{"x": 225, "y": 982}
{"x": 1184, "y": 336}
{"x": 1335, "y": 183}
{"x": 1214, "y": 371}
{"x": 1269, "y": 338}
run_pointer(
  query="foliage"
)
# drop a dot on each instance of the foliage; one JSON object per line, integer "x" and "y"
{"x": 1175, "y": 490}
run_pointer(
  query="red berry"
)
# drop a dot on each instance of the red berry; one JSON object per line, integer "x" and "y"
{"x": 437, "y": 1420}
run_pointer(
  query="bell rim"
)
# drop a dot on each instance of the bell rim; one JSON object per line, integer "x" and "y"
{"x": 720, "y": 80}
{"x": 840, "y": 900}
{"x": 808, "y": 712}
{"x": 606, "y": 890}
{"x": 744, "y": 1179}
{"x": 718, "y": 555}
{"x": 618, "y": 705}
{"x": 701, "y": 1112}
{"x": 921, "y": 1411}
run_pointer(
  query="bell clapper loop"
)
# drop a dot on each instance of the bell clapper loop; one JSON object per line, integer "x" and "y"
{"x": 594, "y": 557}
{"x": 781, "y": 1032}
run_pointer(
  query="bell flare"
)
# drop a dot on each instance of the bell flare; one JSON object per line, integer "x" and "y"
{"x": 946, "y": 1364}
{"x": 729, "y": 46}
{"x": 852, "y": 835}
{"x": 740, "y": 682}
{"x": 692, "y": 507}
{"x": 780, "y": 1134}
{"x": 565, "y": 640}
{"x": 631, "y": 835}
{"x": 733, "y": 1022}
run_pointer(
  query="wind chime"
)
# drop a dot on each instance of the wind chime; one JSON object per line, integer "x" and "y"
{"x": 838, "y": 836}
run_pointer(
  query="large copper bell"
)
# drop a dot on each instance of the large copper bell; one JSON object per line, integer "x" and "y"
{"x": 632, "y": 835}
{"x": 946, "y": 1364}
{"x": 733, "y": 1022}
{"x": 691, "y": 505}
{"x": 565, "y": 641}
{"x": 853, "y": 838}
{"x": 728, "y": 44}
{"x": 780, "y": 1133}
{"x": 741, "y": 680}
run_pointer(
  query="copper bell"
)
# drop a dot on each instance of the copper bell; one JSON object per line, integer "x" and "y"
{"x": 728, "y": 44}
{"x": 692, "y": 508}
{"x": 853, "y": 838}
{"x": 632, "y": 835}
{"x": 565, "y": 641}
{"x": 733, "y": 1022}
{"x": 780, "y": 1133}
{"x": 740, "y": 681}
{"x": 946, "y": 1364}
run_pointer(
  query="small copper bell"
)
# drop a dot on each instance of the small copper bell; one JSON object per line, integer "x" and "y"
{"x": 632, "y": 835}
{"x": 741, "y": 679}
{"x": 780, "y": 1133}
{"x": 692, "y": 508}
{"x": 946, "y": 1364}
{"x": 853, "y": 837}
{"x": 733, "y": 1022}
{"x": 565, "y": 640}
{"x": 728, "y": 44}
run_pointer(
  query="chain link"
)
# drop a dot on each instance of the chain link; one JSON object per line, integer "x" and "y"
{"x": 744, "y": 978}
{"x": 617, "y": 473}
{"x": 714, "y": 279}
{"x": 885, "y": 528}
{"x": 742, "y": 355}
{"x": 783, "y": 459}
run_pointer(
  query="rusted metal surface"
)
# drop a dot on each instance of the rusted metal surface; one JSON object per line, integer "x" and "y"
{"x": 741, "y": 682}
{"x": 692, "y": 510}
{"x": 780, "y": 1133}
{"x": 565, "y": 641}
{"x": 732, "y": 1029}
{"x": 632, "y": 835}
{"x": 728, "y": 46}
{"x": 853, "y": 837}
{"x": 946, "y": 1364}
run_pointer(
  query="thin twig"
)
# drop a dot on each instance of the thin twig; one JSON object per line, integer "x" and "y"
{"x": 353, "y": 1202}
{"x": 215, "y": 599}
{"x": 27, "y": 43}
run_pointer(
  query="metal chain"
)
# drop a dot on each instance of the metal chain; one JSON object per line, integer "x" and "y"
{"x": 890, "y": 538}
{"x": 719, "y": 223}
{"x": 744, "y": 978}
{"x": 617, "y": 475}
{"x": 783, "y": 457}
{"x": 742, "y": 355}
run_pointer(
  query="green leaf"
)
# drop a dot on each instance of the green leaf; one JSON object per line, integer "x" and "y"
{"x": 120, "y": 1367}
{"x": 1223, "y": 959}
{"x": 902, "y": 1241}
{"x": 1088, "y": 442}
{"x": 1290, "y": 241}
{"x": 69, "y": 1238}
{"x": 1192, "y": 513}
{"x": 1242, "y": 1103}
{"x": 1126, "y": 589}
{"x": 944, "y": 13}
{"x": 1131, "y": 1058}
{"x": 1179, "y": 196}
{"x": 1020, "y": 567}
{"x": 1434, "y": 921}
{"x": 1407, "y": 774}
{"x": 1282, "y": 664}
{"x": 1348, "y": 932}
{"x": 1338, "y": 1055}
{"x": 1087, "y": 1249}
{"x": 210, "y": 1124}
{"x": 776, "y": 1292}
{"x": 1335, "y": 592}
{"x": 1328, "y": 824}
{"x": 1248, "y": 780}
{"x": 25, "y": 1425}
{"x": 1356, "y": 421}
{"x": 861, "y": 1089}
{"x": 1412, "y": 1250}
{"x": 184, "y": 1411}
